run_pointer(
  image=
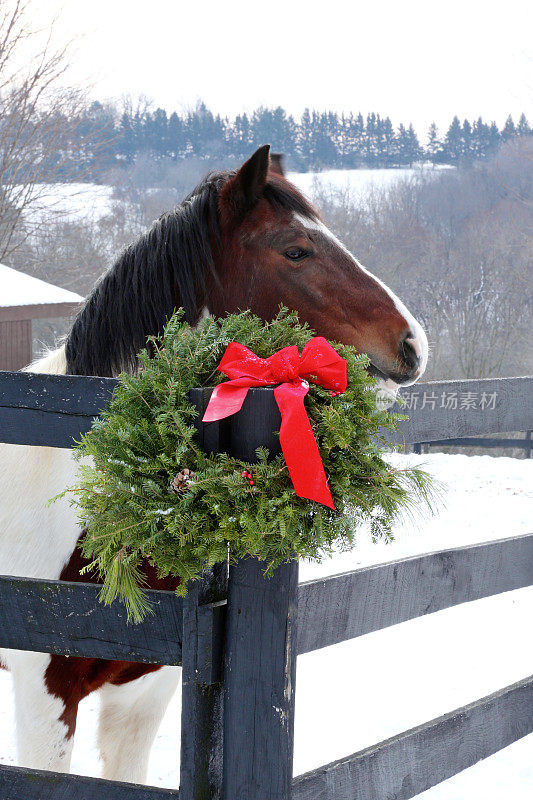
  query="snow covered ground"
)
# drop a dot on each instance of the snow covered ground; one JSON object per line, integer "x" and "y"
{"x": 78, "y": 201}
{"x": 359, "y": 182}
{"x": 72, "y": 201}
{"x": 360, "y": 692}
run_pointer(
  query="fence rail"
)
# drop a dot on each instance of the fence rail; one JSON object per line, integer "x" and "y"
{"x": 453, "y": 409}
{"x": 54, "y": 410}
{"x": 365, "y": 600}
{"x": 17, "y": 783}
{"x": 66, "y": 619}
{"x": 238, "y": 636}
{"x": 525, "y": 444}
{"x": 416, "y": 760}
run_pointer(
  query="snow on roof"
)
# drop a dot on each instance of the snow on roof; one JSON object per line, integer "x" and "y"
{"x": 19, "y": 289}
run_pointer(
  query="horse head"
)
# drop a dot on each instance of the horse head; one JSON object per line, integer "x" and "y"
{"x": 273, "y": 248}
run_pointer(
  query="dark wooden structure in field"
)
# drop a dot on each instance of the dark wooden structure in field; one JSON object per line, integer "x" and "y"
{"x": 23, "y": 299}
{"x": 238, "y": 635}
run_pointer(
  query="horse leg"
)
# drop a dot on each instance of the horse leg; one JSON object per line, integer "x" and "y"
{"x": 45, "y": 724}
{"x": 130, "y": 715}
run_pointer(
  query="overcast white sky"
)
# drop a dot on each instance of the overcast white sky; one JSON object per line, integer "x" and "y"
{"x": 415, "y": 60}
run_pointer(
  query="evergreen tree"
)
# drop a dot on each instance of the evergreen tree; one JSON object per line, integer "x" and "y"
{"x": 434, "y": 145}
{"x": 389, "y": 143}
{"x": 370, "y": 140}
{"x": 353, "y": 141}
{"x": 126, "y": 139}
{"x": 156, "y": 132}
{"x": 480, "y": 139}
{"x": 409, "y": 149}
{"x": 239, "y": 136}
{"x": 282, "y": 131}
{"x": 138, "y": 124}
{"x": 304, "y": 140}
{"x": 493, "y": 138}
{"x": 415, "y": 151}
{"x": 321, "y": 139}
{"x": 324, "y": 150}
{"x": 509, "y": 129}
{"x": 402, "y": 145}
{"x": 379, "y": 141}
{"x": 523, "y": 128}
{"x": 453, "y": 144}
{"x": 466, "y": 142}
{"x": 176, "y": 137}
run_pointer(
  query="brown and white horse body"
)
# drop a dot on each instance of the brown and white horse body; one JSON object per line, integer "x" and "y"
{"x": 265, "y": 246}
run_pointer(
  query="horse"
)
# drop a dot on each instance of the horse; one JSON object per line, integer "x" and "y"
{"x": 242, "y": 239}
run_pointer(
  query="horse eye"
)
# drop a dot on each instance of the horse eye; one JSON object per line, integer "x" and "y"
{"x": 296, "y": 253}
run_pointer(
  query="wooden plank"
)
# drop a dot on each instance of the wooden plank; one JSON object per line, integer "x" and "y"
{"x": 256, "y": 425}
{"x": 67, "y": 619}
{"x": 17, "y": 783}
{"x": 38, "y": 311}
{"x": 259, "y": 682}
{"x": 430, "y": 419}
{"x": 41, "y": 429}
{"x": 15, "y": 344}
{"x": 49, "y": 410}
{"x": 86, "y": 396}
{"x": 202, "y": 689}
{"x": 405, "y": 765}
{"x": 213, "y": 437}
{"x": 473, "y": 441}
{"x": 345, "y": 606}
{"x": 63, "y": 394}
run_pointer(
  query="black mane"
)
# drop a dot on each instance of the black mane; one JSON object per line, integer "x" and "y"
{"x": 137, "y": 295}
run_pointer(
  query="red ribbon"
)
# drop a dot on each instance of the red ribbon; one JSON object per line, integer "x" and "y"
{"x": 320, "y": 364}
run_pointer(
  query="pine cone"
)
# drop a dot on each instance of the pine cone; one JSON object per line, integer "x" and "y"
{"x": 182, "y": 481}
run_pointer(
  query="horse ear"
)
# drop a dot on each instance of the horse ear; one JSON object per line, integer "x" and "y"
{"x": 276, "y": 164}
{"x": 244, "y": 190}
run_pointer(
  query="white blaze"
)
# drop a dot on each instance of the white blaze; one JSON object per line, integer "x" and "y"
{"x": 418, "y": 341}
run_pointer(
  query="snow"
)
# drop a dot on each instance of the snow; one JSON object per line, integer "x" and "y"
{"x": 357, "y": 693}
{"x": 359, "y": 182}
{"x": 19, "y": 289}
{"x": 72, "y": 201}
{"x": 79, "y": 201}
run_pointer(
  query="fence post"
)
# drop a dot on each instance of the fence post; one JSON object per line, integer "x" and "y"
{"x": 248, "y": 746}
{"x": 202, "y": 656}
{"x": 259, "y": 681}
{"x": 202, "y": 690}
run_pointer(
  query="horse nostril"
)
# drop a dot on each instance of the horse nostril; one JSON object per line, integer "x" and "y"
{"x": 408, "y": 352}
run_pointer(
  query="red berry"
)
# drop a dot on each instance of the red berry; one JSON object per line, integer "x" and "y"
{"x": 244, "y": 474}
{"x": 251, "y": 483}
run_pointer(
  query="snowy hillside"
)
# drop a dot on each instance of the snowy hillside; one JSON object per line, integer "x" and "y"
{"x": 359, "y": 182}
{"x": 92, "y": 201}
{"x": 357, "y": 693}
{"x": 71, "y": 201}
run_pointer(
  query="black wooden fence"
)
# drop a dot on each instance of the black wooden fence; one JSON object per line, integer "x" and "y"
{"x": 525, "y": 443}
{"x": 238, "y": 635}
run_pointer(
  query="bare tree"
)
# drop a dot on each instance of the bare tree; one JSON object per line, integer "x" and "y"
{"x": 38, "y": 122}
{"x": 459, "y": 250}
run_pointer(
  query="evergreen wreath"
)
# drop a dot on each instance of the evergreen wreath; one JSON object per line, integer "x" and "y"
{"x": 149, "y": 491}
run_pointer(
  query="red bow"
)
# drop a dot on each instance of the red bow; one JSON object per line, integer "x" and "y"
{"x": 320, "y": 364}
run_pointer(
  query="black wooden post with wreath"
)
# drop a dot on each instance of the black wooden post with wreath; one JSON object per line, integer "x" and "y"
{"x": 238, "y": 716}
